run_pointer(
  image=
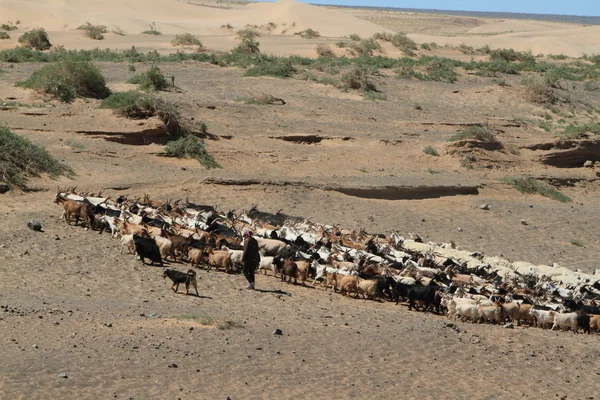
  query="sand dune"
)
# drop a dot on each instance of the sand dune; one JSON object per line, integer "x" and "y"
{"x": 171, "y": 16}
{"x": 512, "y": 25}
{"x": 573, "y": 42}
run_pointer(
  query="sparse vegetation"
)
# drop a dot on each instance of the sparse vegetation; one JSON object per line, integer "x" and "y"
{"x": 404, "y": 43}
{"x": 153, "y": 79}
{"x": 278, "y": 68}
{"x": 482, "y": 133}
{"x": 152, "y": 31}
{"x": 186, "y": 39}
{"x": 4, "y": 35}
{"x": 118, "y": 31}
{"x": 131, "y": 68}
{"x": 538, "y": 92}
{"x": 262, "y": 99}
{"x": 383, "y": 36}
{"x": 324, "y": 50}
{"x": 418, "y": 106}
{"x": 9, "y": 27}
{"x": 359, "y": 78}
{"x": 35, "y": 39}
{"x": 247, "y": 34}
{"x": 227, "y": 26}
{"x": 577, "y": 243}
{"x": 373, "y": 96}
{"x": 510, "y": 55}
{"x": 190, "y": 146}
{"x": 575, "y": 131}
{"x": 431, "y": 151}
{"x": 467, "y": 161}
{"x": 528, "y": 185}
{"x": 308, "y": 34}
{"x": 545, "y": 126}
{"x": 356, "y": 37}
{"x": 365, "y": 48}
{"x": 68, "y": 80}
{"x": 20, "y": 159}
{"x": 95, "y": 32}
{"x": 425, "y": 46}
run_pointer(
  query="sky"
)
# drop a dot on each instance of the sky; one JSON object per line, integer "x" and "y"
{"x": 565, "y": 7}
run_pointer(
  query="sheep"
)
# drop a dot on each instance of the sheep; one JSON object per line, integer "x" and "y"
{"x": 266, "y": 264}
{"x": 219, "y": 258}
{"x": 302, "y": 272}
{"x": 272, "y": 247}
{"x": 368, "y": 288}
{"x": 542, "y": 317}
{"x": 510, "y": 310}
{"x": 196, "y": 257}
{"x": 489, "y": 314}
{"x": 567, "y": 320}
{"x": 467, "y": 311}
{"x": 166, "y": 247}
{"x": 348, "y": 284}
{"x": 127, "y": 241}
{"x": 594, "y": 322}
{"x": 287, "y": 268}
{"x": 524, "y": 314}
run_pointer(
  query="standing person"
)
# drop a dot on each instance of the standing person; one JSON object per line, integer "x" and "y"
{"x": 250, "y": 258}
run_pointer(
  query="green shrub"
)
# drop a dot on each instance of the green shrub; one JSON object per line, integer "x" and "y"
{"x": 248, "y": 46}
{"x": 278, "y": 68}
{"x": 538, "y": 92}
{"x": 94, "y": 31}
{"x": 577, "y": 243}
{"x": 483, "y": 133}
{"x": 575, "y": 131}
{"x": 190, "y": 146}
{"x": 425, "y": 46}
{"x": 356, "y": 37}
{"x": 8, "y": 27}
{"x": 4, "y": 35}
{"x": 463, "y": 48}
{"x": 510, "y": 55}
{"x": 365, "y": 48}
{"x": 132, "y": 104}
{"x": 186, "y": 39}
{"x": 152, "y": 30}
{"x": 384, "y": 36}
{"x": 359, "y": 78}
{"x": 308, "y": 34}
{"x": 431, "y": 151}
{"x": 323, "y": 50}
{"x": 373, "y": 96}
{"x": 493, "y": 68}
{"x": 35, "y": 39}
{"x": 404, "y": 43}
{"x": 153, "y": 79}
{"x": 21, "y": 159}
{"x": 67, "y": 80}
{"x": 261, "y": 99}
{"x": 247, "y": 34}
{"x": 528, "y": 185}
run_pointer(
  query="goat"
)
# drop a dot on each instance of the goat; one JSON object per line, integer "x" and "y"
{"x": 266, "y": 264}
{"x": 542, "y": 317}
{"x": 219, "y": 258}
{"x": 287, "y": 268}
{"x": 75, "y": 209}
{"x": 195, "y": 257}
{"x": 349, "y": 284}
{"x": 127, "y": 241}
{"x": 564, "y": 321}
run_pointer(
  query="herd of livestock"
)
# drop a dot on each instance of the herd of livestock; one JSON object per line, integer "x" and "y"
{"x": 438, "y": 277}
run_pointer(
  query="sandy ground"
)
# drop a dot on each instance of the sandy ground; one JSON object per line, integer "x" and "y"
{"x": 72, "y": 303}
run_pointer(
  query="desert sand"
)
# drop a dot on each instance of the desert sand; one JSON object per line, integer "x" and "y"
{"x": 73, "y": 304}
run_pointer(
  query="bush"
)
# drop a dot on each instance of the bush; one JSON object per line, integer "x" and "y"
{"x": 118, "y": 31}
{"x": 137, "y": 105}
{"x": 94, "y": 31}
{"x": 248, "y": 46}
{"x": 247, "y": 34}
{"x": 278, "y": 68}
{"x": 538, "y": 92}
{"x": 190, "y": 146}
{"x": 4, "y": 35}
{"x": 152, "y": 30}
{"x": 404, "y": 43}
{"x": 510, "y": 55}
{"x": 386, "y": 37}
{"x": 8, "y": 27}
{"x": 365, "y": 48}
{"x": 356, "y": 37}
{"x": 425, "y": 46}
{"x": 186, "y": 39}
{"x": 575, "y": 131}
{"x": 359, "y": 78}
{"x": 262, "y": 99}
{"x": 67, "y": 80}
{"x": 308, "y": 34}
{"x": 20, "y": 159}
{"x": 528, "y": 185}
{"x": 35, "y": 39}
{"x": 153, "y": 79}
{"x": 482, "y": 133}
{"x": 431, "y": 151}
{"x": 493, "y": 68}
{"x": 323, "y": 50}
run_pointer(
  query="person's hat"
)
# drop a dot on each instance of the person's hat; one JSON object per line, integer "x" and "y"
{"x": 247, "y": 233}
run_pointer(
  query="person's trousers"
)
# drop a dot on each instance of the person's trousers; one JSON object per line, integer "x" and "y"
{"x": 248, "y": 271}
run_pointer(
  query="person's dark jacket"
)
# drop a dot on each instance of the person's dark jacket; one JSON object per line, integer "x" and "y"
{"x": 251, "y": 254}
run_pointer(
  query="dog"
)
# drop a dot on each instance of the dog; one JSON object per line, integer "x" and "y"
{"x": 182, "y": 277}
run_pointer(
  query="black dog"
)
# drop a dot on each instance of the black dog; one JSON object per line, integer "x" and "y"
{"x": 182, "y": 277}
